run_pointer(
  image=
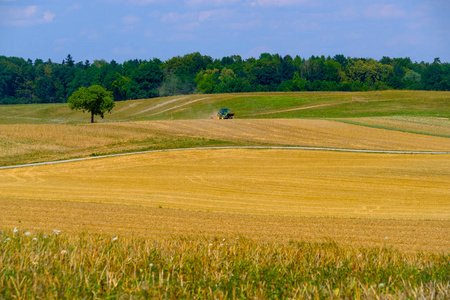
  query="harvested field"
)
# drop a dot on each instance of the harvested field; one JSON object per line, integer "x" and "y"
{"x": 431, "y": 126}
{"x": 36, "y": 143}
{"x": 162, "y": 223}
{"x": 362, "y": 199}
{"x": 301, "y": 132}
{"x": 242, "y": 223}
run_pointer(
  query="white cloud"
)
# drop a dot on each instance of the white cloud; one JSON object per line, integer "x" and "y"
{"x": 130, "y": 19}
{"x": 248, "y": 25}
{"x": 75, "y": 6}
{"x": 207, "y": 15}
{"x": 140, "y": 2}
{"x": 214, "y": 15}
{"x": 188, "y": 26}
{"x": 122, "y": 50}
{"x": 94, "y": 36}
{"x": 210, "y": 2}
{"x": 90, "y": 34}
{"x": 408, "y": 40}
{"x": 174, "y": 17}
{"x": 306, "y": 25}
{"x": 60, "y": 44}
{"x": 22, "y": 13}
{"x": 171, "y": 17}
{"x": 385, "y": 11}
{"x": 25, "y": 16}
{"x": 278, "y": 2}
{"x": 149, "y": 33}
{"x": 146, "y": 2}
{"x": 48, "y": 17}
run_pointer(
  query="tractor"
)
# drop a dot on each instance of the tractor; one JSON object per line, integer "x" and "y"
{"x": 224, "y": 113}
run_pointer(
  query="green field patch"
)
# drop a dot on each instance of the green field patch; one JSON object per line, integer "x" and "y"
{"x": 248, "y": 106}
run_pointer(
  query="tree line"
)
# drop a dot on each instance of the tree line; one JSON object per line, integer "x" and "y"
{"x": 26, "y": 81}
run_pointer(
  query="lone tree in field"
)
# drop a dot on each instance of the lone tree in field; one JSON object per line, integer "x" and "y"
{"x": 94, "y": 99}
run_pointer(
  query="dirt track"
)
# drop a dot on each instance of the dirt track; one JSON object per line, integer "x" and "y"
{"x": 37, "y": 143}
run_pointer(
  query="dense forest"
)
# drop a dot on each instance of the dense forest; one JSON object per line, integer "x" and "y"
{"x": 25, "y": 81}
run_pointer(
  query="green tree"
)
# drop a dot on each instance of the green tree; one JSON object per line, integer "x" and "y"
{"x": 369, "y": 71}
{"x": 186, "y": 69}
{"x": 120, "y": 86}
{"x": 69, "y": 61}
{"x": 227, "y": 81}
{"x": 433, "y": 75}
{"x": 145, "y": 80}
{"x": 266, "y": 72}
{"x": 173, "y": 85}
{"x": 15, "y": 80}
{"x": 299, "y": 84}
{"x": 94, "y": 99}
{"x": 207, "y": 80}
{"x": 341, "y": 59}
{"x": 44, "y": 85}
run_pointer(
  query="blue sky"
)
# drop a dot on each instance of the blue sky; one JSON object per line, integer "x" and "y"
{"x": 145, "y": 29}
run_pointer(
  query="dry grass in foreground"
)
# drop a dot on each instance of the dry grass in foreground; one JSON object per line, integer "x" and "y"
{"x": 58, "y": 265}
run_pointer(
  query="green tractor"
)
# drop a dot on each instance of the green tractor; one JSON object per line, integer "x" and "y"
{"x": 224, "y": 113}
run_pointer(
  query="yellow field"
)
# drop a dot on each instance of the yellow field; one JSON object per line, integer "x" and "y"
{"x": 242, "y": 222}
{"x": 353, "y": 198}
{"x": 35, "y": 143}
{"x": 433, "y": 126}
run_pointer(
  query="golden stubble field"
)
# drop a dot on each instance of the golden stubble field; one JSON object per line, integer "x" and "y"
{"x": 27, "y": 143}
{"x": 281, "y": 195}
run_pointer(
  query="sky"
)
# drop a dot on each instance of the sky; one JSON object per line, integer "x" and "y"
{"x": 145, "y": 29}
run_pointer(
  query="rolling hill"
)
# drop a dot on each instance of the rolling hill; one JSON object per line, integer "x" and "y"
{"x": 367, "y": 225}
{"x": 247, "y": 106}
{"x": 390, "y": 120}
